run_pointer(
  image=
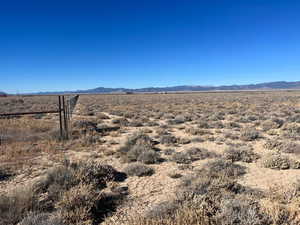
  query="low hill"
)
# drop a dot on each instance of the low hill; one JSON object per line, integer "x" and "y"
{"x": 260, "y": 86}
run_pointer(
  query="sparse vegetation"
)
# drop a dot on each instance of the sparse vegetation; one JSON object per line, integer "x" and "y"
{"x": 208, "y": 142}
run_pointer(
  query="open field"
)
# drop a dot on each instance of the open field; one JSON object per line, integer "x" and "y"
{"x": 172, "y": 159}
{"x": 14, "y": 104}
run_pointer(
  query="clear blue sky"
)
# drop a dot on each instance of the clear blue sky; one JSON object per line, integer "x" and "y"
{"x": 69, "y": 45}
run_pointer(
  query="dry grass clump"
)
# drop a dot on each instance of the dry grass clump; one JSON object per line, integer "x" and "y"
{"x": 15, "y": 205}
{"x": 249, "y": 134}
{"x": 243, "y": 154}
{"x": 282, "y": 204}
{"x": 241, "y": 210}
{"x": 77, "y": 204}
{"x": 280, "y": 162}
{"x": 25, "y": 129}
{"x": 42, "y": 219}
{"x": 138, "y": 169}
{"x": 72, "y": 191}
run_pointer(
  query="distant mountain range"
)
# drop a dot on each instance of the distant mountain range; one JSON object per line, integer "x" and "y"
{"x": 259, "y": 86}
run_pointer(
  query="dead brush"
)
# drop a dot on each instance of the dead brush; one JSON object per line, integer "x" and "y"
{"x": 281, "y": 204}
{"x": 17, "y": 204}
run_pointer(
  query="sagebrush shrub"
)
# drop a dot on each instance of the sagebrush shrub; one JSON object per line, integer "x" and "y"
{"x": 77, "y": 203}
{"x": 223, "y": 167}
{"x": 276, "y": 161}
{"x": 243, "y": 154}
{"x": 249, "y": 135}
{"x": 138, "y": 169}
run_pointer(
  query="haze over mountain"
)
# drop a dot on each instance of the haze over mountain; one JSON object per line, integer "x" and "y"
{"x": 260, "y": 86}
